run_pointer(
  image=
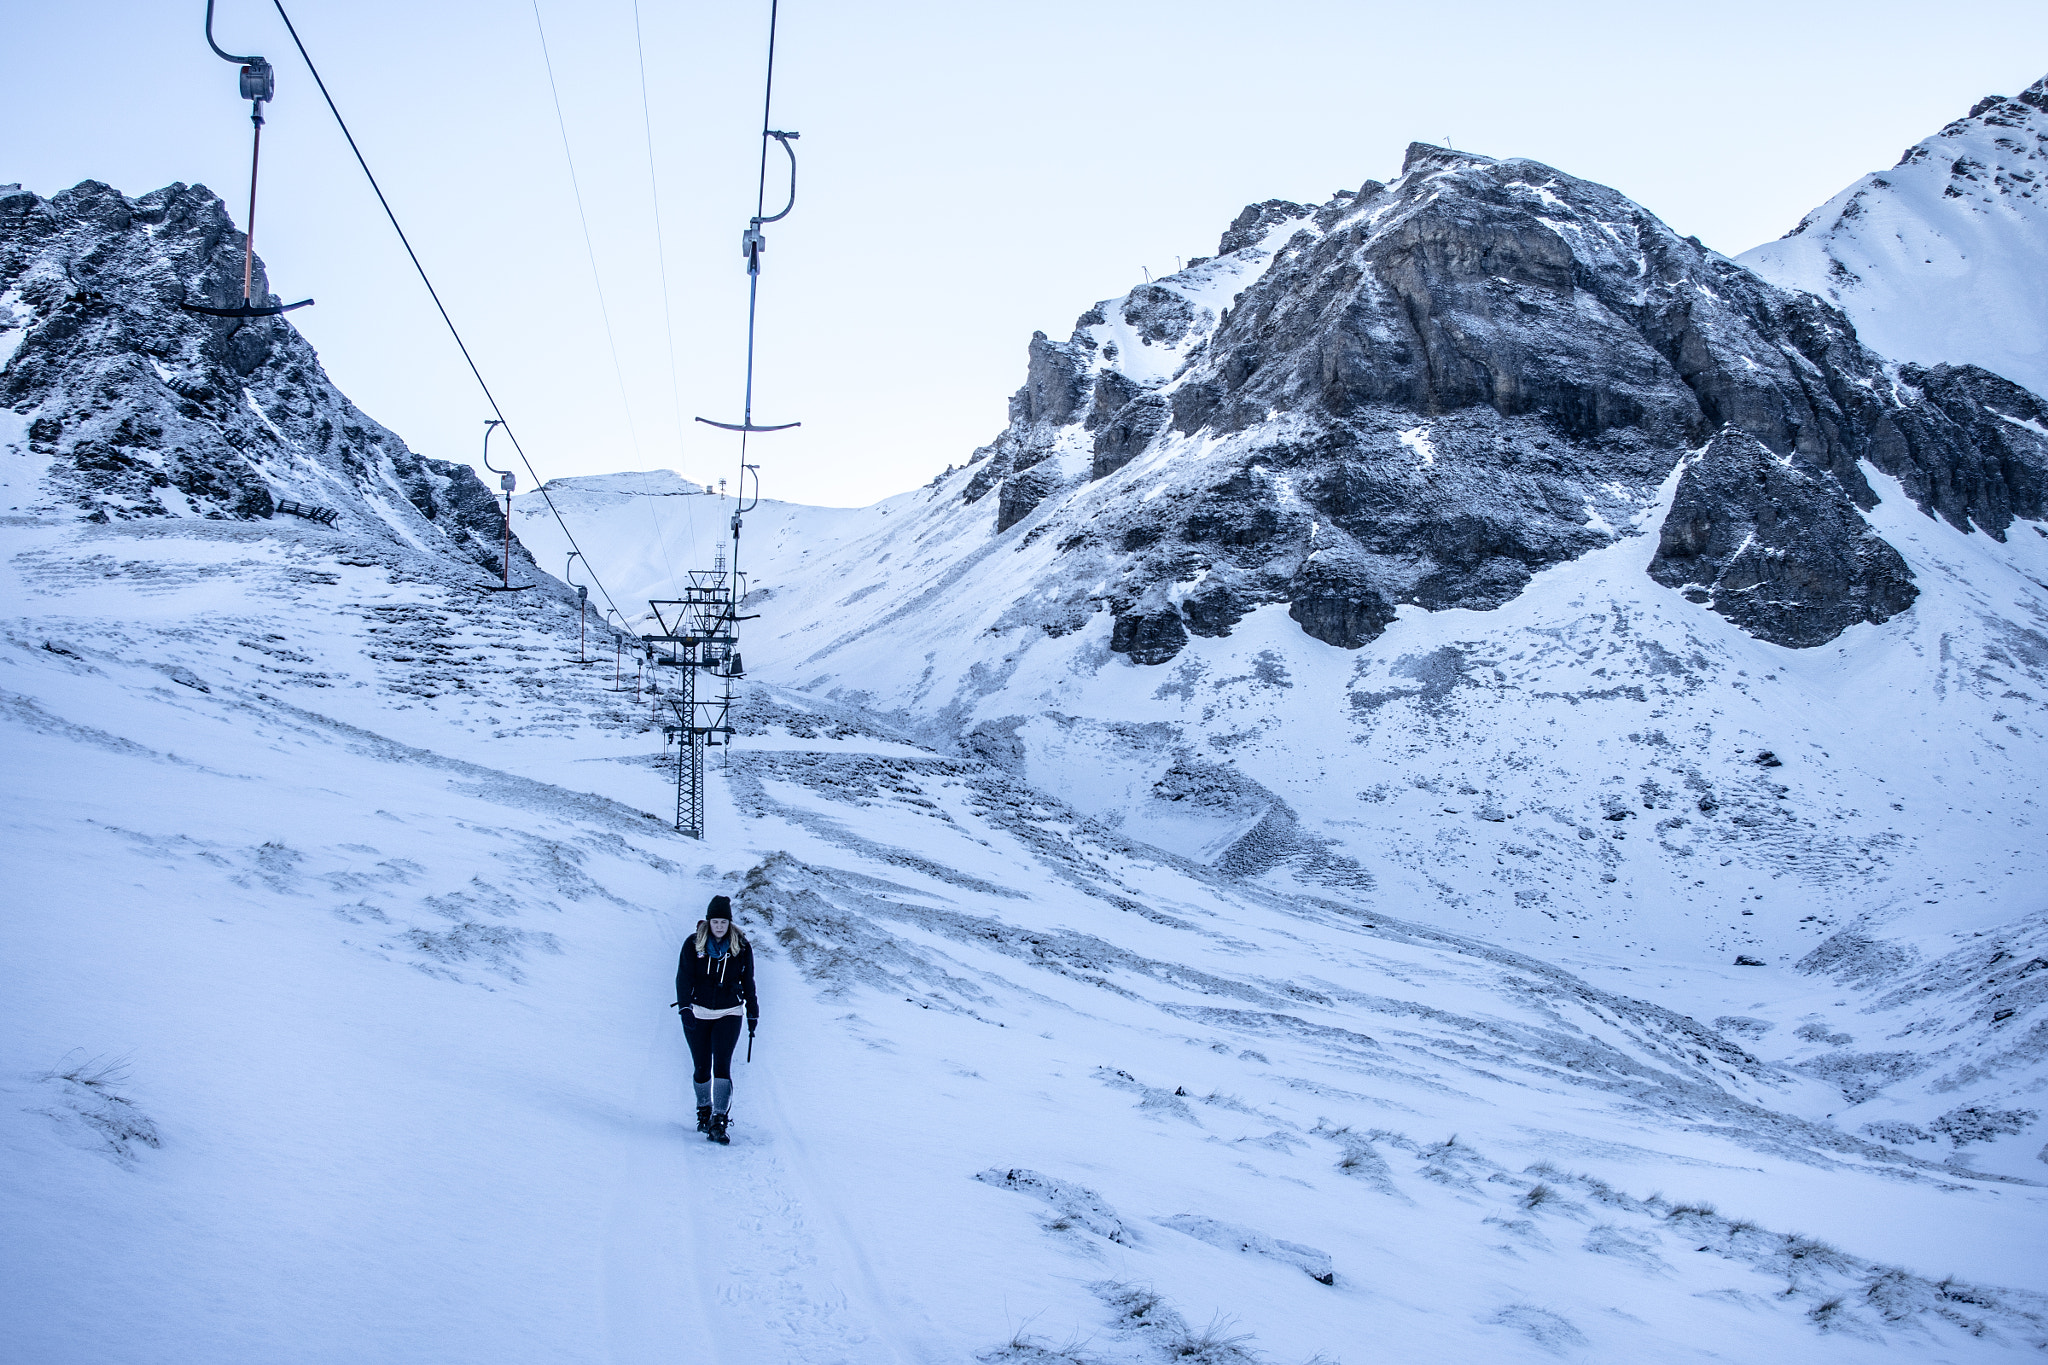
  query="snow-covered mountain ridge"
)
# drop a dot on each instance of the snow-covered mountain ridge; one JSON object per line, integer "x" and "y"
{"x": 1581, "y": 747}
{"x": 116, "y": 402}
{"x": 1427, "y": 391}
{"x": 1939, "y": 259}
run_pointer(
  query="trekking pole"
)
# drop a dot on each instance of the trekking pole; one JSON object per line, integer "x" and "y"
{"x": 750, "y": 1042}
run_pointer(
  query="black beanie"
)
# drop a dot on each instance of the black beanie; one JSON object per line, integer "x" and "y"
{"x": 721, "y": 908}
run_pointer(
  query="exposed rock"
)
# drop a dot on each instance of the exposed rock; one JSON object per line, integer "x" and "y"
{"x": 1057, "y": 381}
{"x": 1149, "y": 637}
{"x": 138, "y": 409}
{"x": 1776, "y": 548}
{"x": 1160, "y": 316}
{"x": 1112, "y": 391}
{"x": 1428, "y": 391}
{"x": 1121, "y": 437}
{"x": 1338, "y": 607}
{"x": 1021, "y": 493}
{"x": 1981, "y": 463}
{"x": 1256, "y": 220}
{"x": 1213, "y": 607}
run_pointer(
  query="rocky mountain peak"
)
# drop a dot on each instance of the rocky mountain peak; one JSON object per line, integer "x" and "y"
{"x": 1428, "y": 157}
{"x": 116, "y": 404}
{"x": 2036, "y": 95}
{"x": 1424, "y": 392}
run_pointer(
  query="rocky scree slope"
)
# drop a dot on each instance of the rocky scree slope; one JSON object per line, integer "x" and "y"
{"x": 1939, "y": 258}
{"x": 1426, "y": 391}
{"x": 116, "y": 402}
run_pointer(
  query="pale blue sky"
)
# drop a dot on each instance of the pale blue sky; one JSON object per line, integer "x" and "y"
{"x": 971, "y": 172}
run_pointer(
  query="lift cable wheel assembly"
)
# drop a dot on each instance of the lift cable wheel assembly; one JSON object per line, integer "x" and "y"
{"x": 699, "y": 630}
{"x": 259, "y": 84}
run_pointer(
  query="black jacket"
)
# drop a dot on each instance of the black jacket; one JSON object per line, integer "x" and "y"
{"x": 716, "y": 983}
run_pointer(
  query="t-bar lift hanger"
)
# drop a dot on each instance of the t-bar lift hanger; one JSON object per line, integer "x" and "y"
{"x": 507, "y": 483}
{"x": 752, "y": 244}
{"x": 259, "y": 83}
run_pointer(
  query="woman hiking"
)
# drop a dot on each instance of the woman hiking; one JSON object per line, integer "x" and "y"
{"x": 714, "y": 989}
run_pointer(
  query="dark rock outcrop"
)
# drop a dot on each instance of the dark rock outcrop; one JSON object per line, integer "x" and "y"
{"x": 1428, "y": 391}
{"x": 1021, "y": 493}
{"x": 1256, "y": 221}
{"x": 1338, "y": 607}
{"x": 1149, "y": 637}
{"x": 1975, "y": 448}
{"x": 1057, "y": 387}
{"x": 1122, "y": 436}
{"x": 1776, "y": 547}
{"x": 140, "y": 409}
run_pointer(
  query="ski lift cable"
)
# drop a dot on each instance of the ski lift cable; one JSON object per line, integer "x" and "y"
{"x": 667, "y": 311}
{"x": 540, "y": 484}
{"x": 589, "y": 247}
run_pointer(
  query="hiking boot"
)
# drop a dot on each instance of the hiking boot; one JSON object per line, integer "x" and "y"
{"x": 703, "y": 1118}
{"x": 716, "y": 1132}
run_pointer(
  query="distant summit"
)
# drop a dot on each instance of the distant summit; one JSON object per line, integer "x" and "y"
{"x": 1944, "y": 257}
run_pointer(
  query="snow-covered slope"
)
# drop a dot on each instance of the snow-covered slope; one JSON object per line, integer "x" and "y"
{"x": 1599, "y": 771}
{"x": 1586, "y": 764}
{"x": 340, "y": 926}
{"x": 1518, "y": 842}
{"x": 1940, "y": 258}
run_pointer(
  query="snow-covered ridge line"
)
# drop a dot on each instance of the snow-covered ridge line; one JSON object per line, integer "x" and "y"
{"x": 1939, "y": 259}
{"x": 130, "y": 407}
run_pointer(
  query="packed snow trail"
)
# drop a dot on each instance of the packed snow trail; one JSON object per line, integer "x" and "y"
{"x": 735, "y": 1251}
{"x": 656, "y": 1271}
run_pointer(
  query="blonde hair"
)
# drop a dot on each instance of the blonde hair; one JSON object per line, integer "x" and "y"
{"x": 733, "y": 934}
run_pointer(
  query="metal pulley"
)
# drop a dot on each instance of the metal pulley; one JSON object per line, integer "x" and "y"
{"x": 259, "y": 80}
{"x": 752, "y": 245}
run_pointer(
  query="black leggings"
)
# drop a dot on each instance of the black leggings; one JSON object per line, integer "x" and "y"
{"x": 711, "y": 1044}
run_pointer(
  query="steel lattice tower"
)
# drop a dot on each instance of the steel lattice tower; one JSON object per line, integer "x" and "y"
{"x": 697, "y": 636}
